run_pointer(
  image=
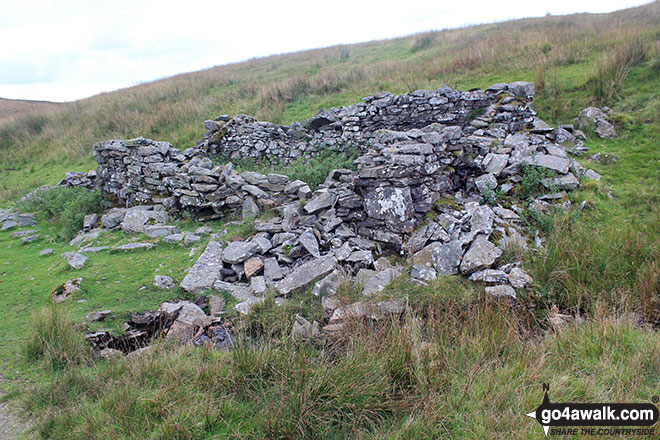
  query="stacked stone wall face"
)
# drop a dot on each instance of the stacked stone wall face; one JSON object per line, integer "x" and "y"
{"x": 355, "y": 126}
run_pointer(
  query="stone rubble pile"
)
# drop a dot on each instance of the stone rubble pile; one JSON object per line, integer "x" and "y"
{"x": 598, "y": 120}
{"x": 425, "y": 188}
{"x": 75, "y": 178}
{"x": 183, "y": 321}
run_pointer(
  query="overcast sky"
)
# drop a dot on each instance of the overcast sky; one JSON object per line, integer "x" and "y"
{"x": 68, "y": 49}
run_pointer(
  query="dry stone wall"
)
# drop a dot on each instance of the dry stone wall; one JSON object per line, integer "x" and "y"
{"x": 418, "y": 148}
{"x": 357, "y": 125}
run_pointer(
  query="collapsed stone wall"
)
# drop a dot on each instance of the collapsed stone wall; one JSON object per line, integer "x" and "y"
{"x": 356, "y": 125}
{"x": 418, "y": 148}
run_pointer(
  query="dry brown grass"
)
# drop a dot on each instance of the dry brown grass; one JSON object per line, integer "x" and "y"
{"x": 10, "y": 108}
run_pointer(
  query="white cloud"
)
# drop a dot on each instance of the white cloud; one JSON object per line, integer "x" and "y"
{"x": 65, "y": 50}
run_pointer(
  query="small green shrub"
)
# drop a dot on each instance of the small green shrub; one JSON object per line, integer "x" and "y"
{"x": 55, "y": 339}
{"x": 68, "y": 206}
{"x": 531, "y": 183}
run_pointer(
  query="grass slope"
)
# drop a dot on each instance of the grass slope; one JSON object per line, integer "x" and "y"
{"x": 10, "y": 108}
{"x": 456, "y": 366}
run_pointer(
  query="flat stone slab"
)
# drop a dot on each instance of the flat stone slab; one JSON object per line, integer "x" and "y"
{"x": 556, "y": 163}
{"x": 239, "y": 251}
{"x": 174, "y": 238}
{"x": 75, "y": 260}
{"x": 378, "y": 282}
{"x": 306, "y": 274}
{"x": 322, "y": 201}
{"x": 30, "y": 238}
{"x": 160, "y": 230}
{"x": 93, "y": 249}
{"x": 205, "y": 271}
{"x": 134, "y": 246}
{"x": 19, "y": 234}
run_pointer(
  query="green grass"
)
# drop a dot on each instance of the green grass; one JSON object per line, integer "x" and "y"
{"x": 312, "y": 170}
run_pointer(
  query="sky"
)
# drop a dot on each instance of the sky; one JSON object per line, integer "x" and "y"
{"x": 70, "y": 49}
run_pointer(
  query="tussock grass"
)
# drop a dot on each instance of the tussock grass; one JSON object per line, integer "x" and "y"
{"x": 464, "y": 369}
{"x": 581, "y": 267}
{"x": 55, "y": 339}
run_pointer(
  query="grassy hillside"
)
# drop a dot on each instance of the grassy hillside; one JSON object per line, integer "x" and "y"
{"x": 456, "y": 366}
{"x": 575, "y": 60}
{"x": 11, "y": 108}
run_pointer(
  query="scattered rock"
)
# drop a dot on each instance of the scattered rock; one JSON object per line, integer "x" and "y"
{"x": 98, "y": 316}
{"x": 252, "y": 266}
{"x": 305, "y": 274}
{"x": 164, "y": 282}
{"x": 422, "y": 273}
{"x": 378, "y": 282}
{"x": 216, "y": 305}
{"x": 239, "y": 251}
{"x": 65, "y": 290}
{"x": 134, "y": 246}
{"x": 303, "y": 330}
{"x": 481, "y": 255}
{"x": 75, "y": 260}
{"x": 447, "y": 258}
{"x": 597, "y": 120}
{"x": 30, "y": 239}
{"x": 519, "y": 279}
{"x": 500, "y": 291}
{"x": 160, "y": 231}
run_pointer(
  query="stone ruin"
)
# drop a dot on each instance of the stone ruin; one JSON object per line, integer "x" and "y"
{"x": 431, "y": 165}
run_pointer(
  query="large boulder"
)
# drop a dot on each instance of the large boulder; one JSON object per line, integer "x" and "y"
{"x": 75, "y": 260}
{"x": 136, "y": 220}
